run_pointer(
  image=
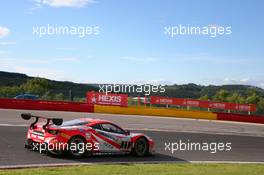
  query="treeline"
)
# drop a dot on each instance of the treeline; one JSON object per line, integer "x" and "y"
{"x": 242, "y": 94}
{"x": 10, "y": 79}
{"x": 13, "y": 84}
{"x": 251, "y": 97}
{"x": 36, "y": 86}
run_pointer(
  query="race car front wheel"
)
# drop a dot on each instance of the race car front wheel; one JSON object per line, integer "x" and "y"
{"x": 141, "y": 147}
{"x": 76, "y": 147}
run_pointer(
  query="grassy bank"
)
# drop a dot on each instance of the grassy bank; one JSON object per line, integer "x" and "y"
{"x": 159, "y": 169}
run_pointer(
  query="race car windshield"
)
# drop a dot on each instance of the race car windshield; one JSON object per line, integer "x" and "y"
{"x": 75, "y": 122}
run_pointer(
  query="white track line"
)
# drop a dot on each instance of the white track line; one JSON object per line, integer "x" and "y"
{"x": 6, "y": 124}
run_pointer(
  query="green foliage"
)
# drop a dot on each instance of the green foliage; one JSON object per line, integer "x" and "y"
{"x": 8, "y": 79}
{"x": 236, "y": 98}
{"x": 252, "y": 99}
{"x": 47, "y": 96}
{"x": 145, "y": 169}
{"x": 81, "y": 100}
{"x": 59, "y": 97}
{"x": 221, "y": 95}
{"x": 36, "y": 86}
{"x": 204, "y": 97}
{"x": 132, "y": 101}
{"x": 10, "y": 91}
{"x": 13, "y": 84}
{"x": 260, "y": 106}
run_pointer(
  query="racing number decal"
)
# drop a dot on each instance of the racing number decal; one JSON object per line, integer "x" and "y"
{"x": 125, "y": 145}
{"x": 105, "y": 143}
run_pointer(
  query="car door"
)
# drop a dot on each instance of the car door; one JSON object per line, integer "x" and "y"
{"x": 112, "y": 138}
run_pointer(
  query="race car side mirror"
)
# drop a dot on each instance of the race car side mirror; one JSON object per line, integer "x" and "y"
{"x": 57, "y": 121}
{"x": 26, "y": 116}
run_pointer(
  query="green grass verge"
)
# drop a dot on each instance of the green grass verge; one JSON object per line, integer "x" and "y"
{"x": 138, "y": 169}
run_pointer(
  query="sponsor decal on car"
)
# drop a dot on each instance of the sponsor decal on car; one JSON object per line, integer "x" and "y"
{"x": 65, "y": 135}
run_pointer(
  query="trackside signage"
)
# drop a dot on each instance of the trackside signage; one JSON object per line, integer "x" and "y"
{"x": 107, "y": 99}
{"x": 202, "y": 104}
{"x": 27, "y": 104}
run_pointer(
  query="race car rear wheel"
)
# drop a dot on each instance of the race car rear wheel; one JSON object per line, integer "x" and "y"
{"x": 55, "y": 152}
{"x": 76, "y": 147}
{"x": 141, "y": 147}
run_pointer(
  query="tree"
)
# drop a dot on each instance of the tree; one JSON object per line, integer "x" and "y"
{"x": 59, "y": 97}
{"x": 221, "y": 95}
{"x": 236, "y": 98}
{"x": 204, "y": 97}
{"x": 37, "y": 86}
{"x": 252, "y": 99}
{"x": 77, "y": 99}
{"x": 10, "y": 92}
{"x": 4, "y": 91}
{"x": 47, "y": 96}
{"x": 260, "y": 106}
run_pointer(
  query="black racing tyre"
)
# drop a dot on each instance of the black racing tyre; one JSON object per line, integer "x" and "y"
{"x": 57, "y": 153}
{"x": 78, "y": 150}
{"x": 141, "y": 147}
{"x": 28, "y": 144}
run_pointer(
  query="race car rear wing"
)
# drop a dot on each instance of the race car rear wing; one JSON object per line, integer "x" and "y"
{"x": 55, "y": 121}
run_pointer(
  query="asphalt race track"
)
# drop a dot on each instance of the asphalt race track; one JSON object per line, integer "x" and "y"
{"x": 247, "y": 142}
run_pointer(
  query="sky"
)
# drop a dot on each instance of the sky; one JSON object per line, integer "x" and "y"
{"x": 129, "y": 43}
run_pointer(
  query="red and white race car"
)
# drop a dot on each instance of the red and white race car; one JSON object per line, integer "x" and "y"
{"x": 84, "y": 136}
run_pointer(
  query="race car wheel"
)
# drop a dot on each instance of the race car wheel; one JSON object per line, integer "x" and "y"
{"x": 28, "y": 144}
{"x": 76, "y": 147}
{"x": 141, "y": 147}
{"x": 55, "y": 152}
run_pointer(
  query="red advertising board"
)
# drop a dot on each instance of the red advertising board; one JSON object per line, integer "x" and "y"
{"x": 240, "y": 117}
{"x": 202, "y": 104}
{"x": 107, "y": 99}
{"x": 45, "y": 105}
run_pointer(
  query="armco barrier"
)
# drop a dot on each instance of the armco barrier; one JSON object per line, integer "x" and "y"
{"x": 45, "y": 105}
{"x": 240, "y": 118}
{"x": 155, "y": 112}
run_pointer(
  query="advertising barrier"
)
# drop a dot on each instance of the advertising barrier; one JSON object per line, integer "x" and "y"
{"x": 107, "y": 99}
{"x": 45, "y": 105}
{"x": 202, "y": 104}
{"x": 240, "y": 118}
